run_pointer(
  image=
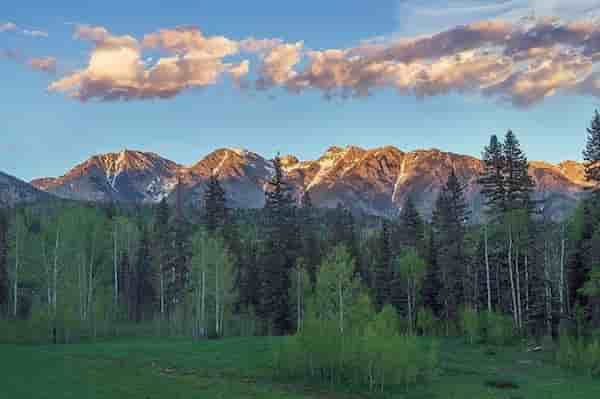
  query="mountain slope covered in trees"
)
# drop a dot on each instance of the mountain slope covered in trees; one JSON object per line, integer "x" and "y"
{"x": 14, "y": 191}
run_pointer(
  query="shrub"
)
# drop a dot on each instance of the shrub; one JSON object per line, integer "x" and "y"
{"x": 426, "y": 322}
{"x": 469, "y": 324}
{"x": 376, "y": 358}
{"x": 579, "y": 355}
{"x": 499, "y": 329}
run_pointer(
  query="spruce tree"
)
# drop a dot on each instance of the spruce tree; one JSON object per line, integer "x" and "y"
{"x": 518, "y": 184}
{"x": 492, "y": 178}
{"x": 411, "y": 228}
{"x": 343, "y": 232}
{"x": 311, "y": 251}
{"x": 432, "y": 284}
{"x": 449, "y": 222}
{"x": 382, "y": 275}
{"x": 215, "y": 205}
{"x": 145, "y": 294}
{"x": 591, "y": 154}
{"x": 279, "y": 253}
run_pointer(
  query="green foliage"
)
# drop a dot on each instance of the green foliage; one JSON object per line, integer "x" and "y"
{"x": 426, "y": 322}
{"x": 591, "y": 154}
{"x": 591, "y": 288}
{"x": 579, "y": 355}
{"x": 498, "y": 328}
{"x": 378, "y": 359}
{"x": 470, "y": 324}
{"x": 337, "y": 287}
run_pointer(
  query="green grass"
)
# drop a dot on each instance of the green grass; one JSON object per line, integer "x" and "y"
{"x": 239, "y": 368}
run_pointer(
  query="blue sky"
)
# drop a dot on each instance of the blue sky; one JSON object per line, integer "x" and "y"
{"x": 44, "y": 133}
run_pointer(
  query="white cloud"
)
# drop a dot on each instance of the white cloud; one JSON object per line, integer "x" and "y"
{"x": 7, "y": 27}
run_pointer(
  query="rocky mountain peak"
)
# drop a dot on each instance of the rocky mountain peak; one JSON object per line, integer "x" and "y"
{"x": 376, "y": 181}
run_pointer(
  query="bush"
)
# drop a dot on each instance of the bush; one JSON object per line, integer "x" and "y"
{"x": 499, "y": 329}
{"x": 579, "y": 355}
{"x": 469, "y": 324}
{"x": 426, "y": 322}
{"x": 378, "y": 358}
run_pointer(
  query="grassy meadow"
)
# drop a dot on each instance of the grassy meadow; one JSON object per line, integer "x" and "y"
{"x": 157, "y": 368}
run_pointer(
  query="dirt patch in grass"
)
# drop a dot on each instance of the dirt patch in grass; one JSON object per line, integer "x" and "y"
{"x": 501, "y": 383}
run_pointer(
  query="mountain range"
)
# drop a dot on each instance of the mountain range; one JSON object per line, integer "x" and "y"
{"x": 375, "y": 181}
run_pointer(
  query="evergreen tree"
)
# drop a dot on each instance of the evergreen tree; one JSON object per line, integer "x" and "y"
{"x": 382, "y": 275}
{"x": 343, "y": 232}
{"x": 412, "y": 227}
{"x": 311, "y": 251}
{"x": 591, "y": 154}
{"x": 179, "y": 258}
{"x": 4, "y": 282}
{"x": 247, "y": 278}
{"x": 517, "y": 182}
{"x": 580, "y": 261}
{"x": 449, "y": 223}
{"x": 279, "y": 253}
{"x": 492, "y": 178}
{"x": 432, "y": 284}
{"x": 145, "y": 294}
{"x": 215, "y": 205}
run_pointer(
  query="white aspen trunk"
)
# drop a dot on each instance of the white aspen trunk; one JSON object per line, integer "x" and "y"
{"x": 410, "y": 311}
{"x": 561, "y": 288}
{"x": 518, "y": 278}
{"x": 548, "y": 290}
{"x": 90, "y": 287}
{"x": 298, "y": 299}
{"x": 216, "y": 299}
{"x": 80, "y": 289}
{"x": 487, "y": 269}
{"x": 47, "y": 273}
{"x": 55, "y": 271}
{"x": 527, "y": 286}
{"x": 116, "y": 273}
{"x": 203, "y": 300}
{"x": 341, "y": 299}
{"x": 510, "y": 276}
{"x": 16, "y": 280}
{"x": 162, "y": 292}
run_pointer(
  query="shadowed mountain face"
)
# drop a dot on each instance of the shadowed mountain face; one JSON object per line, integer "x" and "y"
{"x": 376, "y": 181}
{"x": 14, "y": 191}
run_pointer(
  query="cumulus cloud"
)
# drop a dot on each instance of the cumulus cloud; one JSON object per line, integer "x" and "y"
{"x": 117, "y": 70}
{"x": 517, "y": 61}
{"x": 278, "y": 64}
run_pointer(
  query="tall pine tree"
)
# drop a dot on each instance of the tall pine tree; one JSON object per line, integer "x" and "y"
{"x": 518, "y": 185}
{"x": 382, "y": 273}
{"x": 279, "y": 253}
{"x": 591, "y": 154}
{"x": 492, "y": 178}
{"x": 215, "y": 205}
{"x": 449, "y": 223}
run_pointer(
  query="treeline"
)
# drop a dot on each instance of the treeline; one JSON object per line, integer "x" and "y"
{"x": 82, "y": 271}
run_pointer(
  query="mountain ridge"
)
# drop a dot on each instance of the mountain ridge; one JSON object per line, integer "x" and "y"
{"x": 376, "y": 181}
